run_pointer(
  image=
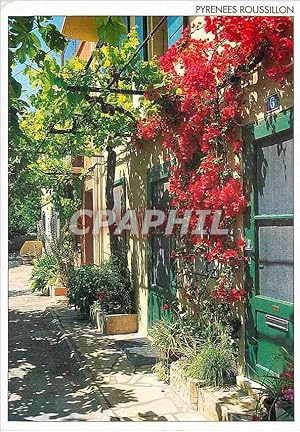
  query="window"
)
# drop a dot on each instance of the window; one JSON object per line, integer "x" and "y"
{"x": 141, "y": 23}
{"x": 274, "y": 216}
{"x": 126, "y": 22}
{"x": 77, "y": 161}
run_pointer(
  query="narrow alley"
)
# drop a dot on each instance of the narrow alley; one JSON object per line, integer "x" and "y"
{"x": 44, "y": 382}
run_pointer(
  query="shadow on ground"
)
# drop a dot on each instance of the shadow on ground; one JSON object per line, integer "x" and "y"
{"x": 147, "y": 416}
{"x": 18, "y": 292}
{"x": 138, "y": 351}
{"x": 44, "y": 383}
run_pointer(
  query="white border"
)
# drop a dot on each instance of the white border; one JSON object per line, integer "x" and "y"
{"x": 75, "y": 7}
{"x": 123, "y": 7}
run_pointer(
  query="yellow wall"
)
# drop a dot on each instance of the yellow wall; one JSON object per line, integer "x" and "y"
{"x": 134, "y": 168}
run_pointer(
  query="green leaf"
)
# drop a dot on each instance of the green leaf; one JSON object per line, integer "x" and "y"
{"x": 21, "y": 54}
{"x": 53, "y": 38}
{"x": 40, "y": 56}
{"x": 15, "y": 89}
{"x": 35, "y": 40}
{"x": 110, "y": 29}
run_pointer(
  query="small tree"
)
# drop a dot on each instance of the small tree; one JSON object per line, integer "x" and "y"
{"x": 29, "y": 40}
{"x": 80, "y": 110}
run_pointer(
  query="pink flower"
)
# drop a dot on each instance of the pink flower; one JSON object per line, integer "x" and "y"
{"x": 288, "y": 394}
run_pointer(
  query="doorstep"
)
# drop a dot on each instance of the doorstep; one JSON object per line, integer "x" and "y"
{"x": 253, "y": 388}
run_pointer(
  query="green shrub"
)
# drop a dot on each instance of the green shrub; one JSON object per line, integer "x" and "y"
{"x": 109, "y": 284}
{"x": 161, "y": 371}
{"x": 62, "y": 249}
{"x": 171, "y": 337}
{"x": 44, "y": 273}
{"x": 214, "y": 362}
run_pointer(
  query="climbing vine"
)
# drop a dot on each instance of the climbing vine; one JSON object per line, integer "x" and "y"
{"x": 198, "y": 117}
{"x": 86, "y": 109}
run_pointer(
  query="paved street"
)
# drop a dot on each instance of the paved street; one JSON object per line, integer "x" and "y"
{"x": 132, "y": 392}
{"x": 44, "y": 383}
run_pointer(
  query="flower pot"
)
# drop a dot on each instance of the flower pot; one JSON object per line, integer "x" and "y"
{"x": 114, "y": 323}
{"x": 97, "y": 319}
{"x": 58, "y": 291}
{"x": 121, "y": 324}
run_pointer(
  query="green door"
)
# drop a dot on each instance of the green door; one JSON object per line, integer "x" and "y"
{"x": 160, "y": 289}
{"x": 269, "y": 237}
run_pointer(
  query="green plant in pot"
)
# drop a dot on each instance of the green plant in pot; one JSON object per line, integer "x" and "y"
{"x": 214, "y": 361}
{"x": 276, "y": 395}
{"x": 44, "y": 273}
{"x": 107, "y": 287}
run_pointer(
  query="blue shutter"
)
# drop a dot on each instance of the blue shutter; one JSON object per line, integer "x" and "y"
{"x": 175, "y": 28}
{"x": 140, "y": 22}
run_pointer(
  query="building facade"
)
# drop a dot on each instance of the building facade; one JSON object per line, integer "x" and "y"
{"x": 142, "y": 182}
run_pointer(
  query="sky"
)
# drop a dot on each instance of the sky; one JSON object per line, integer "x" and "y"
{"x": 17, "y": 72}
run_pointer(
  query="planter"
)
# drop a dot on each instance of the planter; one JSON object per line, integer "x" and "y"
{"x": 58, "y": 291}
{"x": 187, "y": 388}
{"x": 121, "y": 323}
{"x": 115, "y": 323}
{"x": 230, "y": 404}
{"x": 97, "y": 319}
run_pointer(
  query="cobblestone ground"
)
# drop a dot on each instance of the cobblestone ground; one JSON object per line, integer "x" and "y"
{"x": 44, "y": 383}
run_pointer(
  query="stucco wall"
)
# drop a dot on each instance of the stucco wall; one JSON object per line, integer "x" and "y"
{"x": 134, "y": 168}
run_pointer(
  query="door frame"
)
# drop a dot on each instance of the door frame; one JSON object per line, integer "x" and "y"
{"x": 154, "y": 174}
{"x": 273, "y": 124}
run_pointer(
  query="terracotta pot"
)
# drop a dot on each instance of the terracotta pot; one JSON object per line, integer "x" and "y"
{"x": 60, "y": 291}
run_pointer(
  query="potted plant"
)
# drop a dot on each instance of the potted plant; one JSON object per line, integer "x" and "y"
{"x": 105, "y": 294}
{"x": 44, "y": 273}
{"x": 276, "y": 395}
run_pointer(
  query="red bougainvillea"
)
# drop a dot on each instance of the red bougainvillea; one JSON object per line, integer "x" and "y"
{"x": 198, "y": 120}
